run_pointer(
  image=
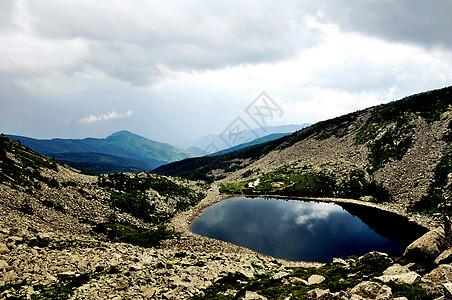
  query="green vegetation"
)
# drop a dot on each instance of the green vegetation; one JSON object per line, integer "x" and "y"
{"x": 128, "y": 193}
{"x": 163, "y": 185}
{"x": 92, "y": 168}
{"x": 384, "y": 141}
{"x": 127, "y": 233}
{"x": 309, "y": 183}
{"x": 337, "y": 278}
{"x": 137, "y": 203}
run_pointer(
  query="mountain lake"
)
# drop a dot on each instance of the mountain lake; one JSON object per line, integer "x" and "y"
{"x": 306, "y": 230}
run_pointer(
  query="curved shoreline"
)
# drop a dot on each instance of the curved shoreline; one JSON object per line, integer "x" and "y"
{"x": 182, "y": 221}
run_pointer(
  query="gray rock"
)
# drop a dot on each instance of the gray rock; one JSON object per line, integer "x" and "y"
{"x": 44, "y": 237}
{"x": 427, "y": 248}
{"x": 447, "y": 232}
{"x": 442, "y": 274}
{"x": 15, "y": 239}
{"x": 340, "y": 261}
{"x": 448, "y": 290}
{"x": 371, "y": 255}
{"x": 9, "y": 277}
{"x": 342, "y": 295}
{"x": 297, "y": 281}
{"x": 3, "y": 265}
{"x": 396, "y": 269}
{"x": 3, "y": 249}
{"x": 356, "y": 297}
{"x": 149, "y": 293}
{"x": 444, "y": 258}
{"x": 315, "y": 279}
{"x": 367, "y": 288}
{"x": 318, "y": 294}
{"x": 411, "y": 277}
{"x": 280, "y": 275}
{"x": 385, "y": 293}
{"x": 253, "y": 296}
{"x": 122, "y": 284}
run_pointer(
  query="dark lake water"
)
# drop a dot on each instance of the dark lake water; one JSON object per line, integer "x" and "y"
{"x": 306, "y": 230}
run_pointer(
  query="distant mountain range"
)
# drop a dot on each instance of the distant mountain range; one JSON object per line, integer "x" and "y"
{"x": 212, "y": 143}
{"x": 121, "y": 151}
{"x": 264, "y": 139}
{"x": 124, "y": 151}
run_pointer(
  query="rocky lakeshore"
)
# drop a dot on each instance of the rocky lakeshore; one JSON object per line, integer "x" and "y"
{"x": 40, "y": 262}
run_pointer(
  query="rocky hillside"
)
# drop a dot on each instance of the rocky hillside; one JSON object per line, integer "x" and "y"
{"x": 398, "y": 153}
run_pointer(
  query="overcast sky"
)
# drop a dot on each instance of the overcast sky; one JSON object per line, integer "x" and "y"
{"x": 176, "y": 70}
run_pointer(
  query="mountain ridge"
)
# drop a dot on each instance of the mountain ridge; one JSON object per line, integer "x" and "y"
{"x": 120, "y": 144}
{"x": 222, "y": 143}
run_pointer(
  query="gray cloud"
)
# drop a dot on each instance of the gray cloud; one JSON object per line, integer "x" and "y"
{"x": 422, "y": 22}
{"x": 131, "y": 42}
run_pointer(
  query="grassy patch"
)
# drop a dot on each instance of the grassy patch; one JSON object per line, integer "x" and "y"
{"x": 411, "y": 291}
{"x": 310, "y": 183}
{"x": 163, "y": 185}
{"x": 127, "y": 233}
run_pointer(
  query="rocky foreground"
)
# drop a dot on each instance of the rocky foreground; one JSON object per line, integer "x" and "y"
{"x": 43, "y": 260}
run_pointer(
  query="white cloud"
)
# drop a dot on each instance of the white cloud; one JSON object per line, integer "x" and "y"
{"x": 306, "y": 212}
{"x": 105, "y": 117}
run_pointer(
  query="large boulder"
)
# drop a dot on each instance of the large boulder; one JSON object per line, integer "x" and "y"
{"x": 385, "y": 293}
{"x": 434, "y": 281}
{"x": 253, "y": 296}
{"x": 410, "y": 277}
{"x": 444, "y": 258}
{"x": 3, "y": 249}
{"x": 315, "y": 279}
{"x": 427, "y": 248}
{"x": 442, "y": 274}
{"x": 367, "y": 288}
{"x": 318, "y": 294}
{"x": 372, "y": 255}
{"x": 396, "y": 269}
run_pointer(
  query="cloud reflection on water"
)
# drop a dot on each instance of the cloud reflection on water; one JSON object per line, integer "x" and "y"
{"x": 296, "y": 230}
